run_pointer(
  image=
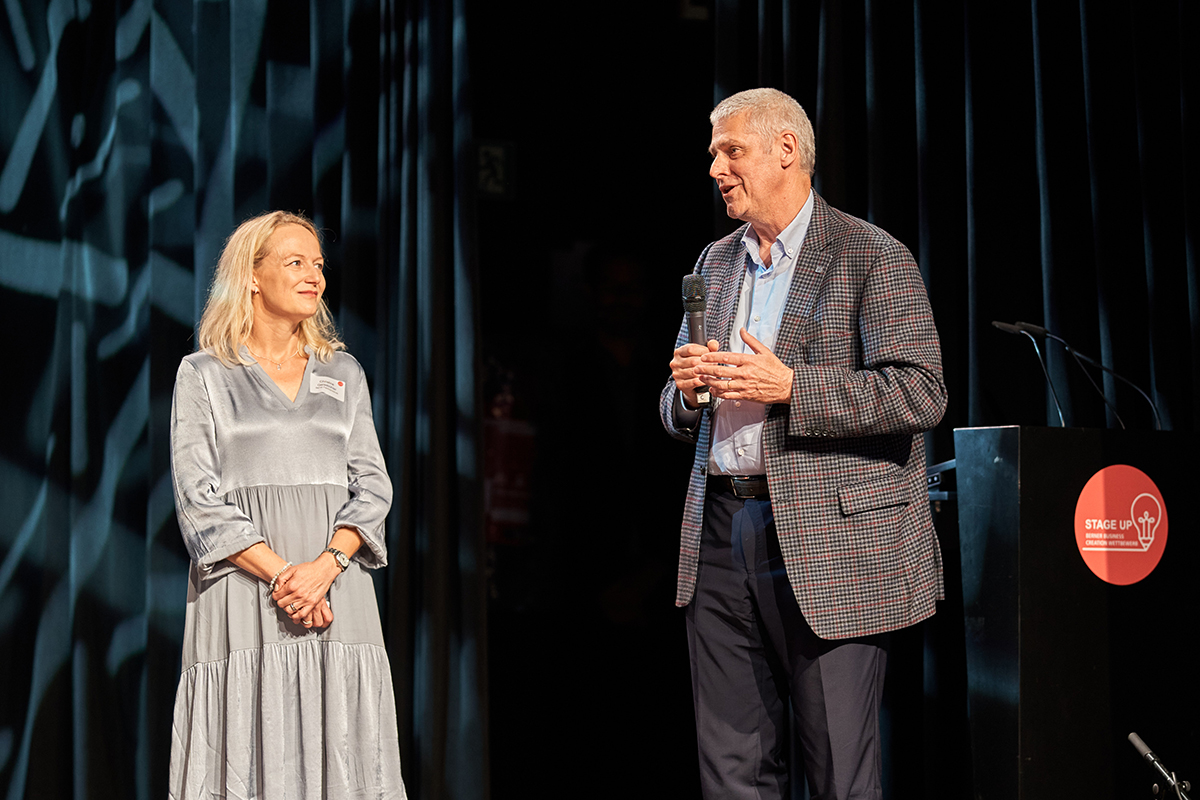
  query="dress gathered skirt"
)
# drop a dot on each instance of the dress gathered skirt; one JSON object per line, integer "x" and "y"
{"x": 267, "y": 708}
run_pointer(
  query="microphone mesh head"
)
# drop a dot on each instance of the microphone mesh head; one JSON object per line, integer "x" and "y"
{"x": 693, "y": 293}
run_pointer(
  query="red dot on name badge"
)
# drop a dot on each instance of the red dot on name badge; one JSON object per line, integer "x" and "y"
{"x": 1121, "y": 524}
{"x": 340, "y": 383}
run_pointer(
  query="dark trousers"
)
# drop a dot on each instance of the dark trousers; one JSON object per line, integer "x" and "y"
{"x": 753, "y": 656}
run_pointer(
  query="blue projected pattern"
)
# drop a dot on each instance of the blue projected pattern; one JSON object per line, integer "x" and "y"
{"x": 93, "y": 574}
{"x": 131, "y": 144}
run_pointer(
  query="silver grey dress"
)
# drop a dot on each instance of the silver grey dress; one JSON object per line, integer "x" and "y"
{"x": 266, "y": 708}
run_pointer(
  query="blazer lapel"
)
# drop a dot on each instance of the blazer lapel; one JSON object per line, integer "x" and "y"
{"x": 812, "y": 265}
{"x": 724, "y": 287}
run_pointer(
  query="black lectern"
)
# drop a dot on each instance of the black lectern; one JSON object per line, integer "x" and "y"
{"x": 1061, "y": 664}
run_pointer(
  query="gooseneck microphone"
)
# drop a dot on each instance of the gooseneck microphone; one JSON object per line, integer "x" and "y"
{"x": 694, "y": 305}
{"x": 1028, "y": 328}
{"x": 1180, "y": 787}
{"x": 1004, "y": 326}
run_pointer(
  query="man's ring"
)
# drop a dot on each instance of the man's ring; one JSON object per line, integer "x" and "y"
{"x": 292, "y": 606}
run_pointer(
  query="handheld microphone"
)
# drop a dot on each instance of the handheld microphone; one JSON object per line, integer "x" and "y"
{"x": 694, "y": 305}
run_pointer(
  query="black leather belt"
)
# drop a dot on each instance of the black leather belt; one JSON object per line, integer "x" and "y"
{"x": 744, "y": 486}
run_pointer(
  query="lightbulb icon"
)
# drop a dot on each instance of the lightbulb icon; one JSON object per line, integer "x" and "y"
{"x": 1146, "y": 514}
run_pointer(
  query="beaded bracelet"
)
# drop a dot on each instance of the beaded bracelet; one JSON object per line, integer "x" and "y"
{"x": 271, "y": 585}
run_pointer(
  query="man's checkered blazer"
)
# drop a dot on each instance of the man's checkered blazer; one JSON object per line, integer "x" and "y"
{"x": 845, "y": 459}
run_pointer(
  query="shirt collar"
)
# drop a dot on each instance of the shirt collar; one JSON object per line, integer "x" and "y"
{"x": 787, "y": 243}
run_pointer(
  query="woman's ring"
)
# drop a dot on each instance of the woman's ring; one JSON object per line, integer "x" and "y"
{"x": 292, "y": 606}
{"x": 308, "y": 623}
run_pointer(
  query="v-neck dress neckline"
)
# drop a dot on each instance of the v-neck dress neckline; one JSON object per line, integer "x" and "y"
{"x": 263, "y": 377}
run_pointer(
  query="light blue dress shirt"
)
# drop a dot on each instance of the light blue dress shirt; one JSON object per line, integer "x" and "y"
{"x": 738, "y": 424}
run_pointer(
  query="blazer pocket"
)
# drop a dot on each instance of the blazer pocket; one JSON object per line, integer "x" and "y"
{"x": 872, "y": 495}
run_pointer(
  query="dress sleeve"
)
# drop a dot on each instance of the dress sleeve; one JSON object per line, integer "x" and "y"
{"x": 212, "y": 528}
{"x": 368, "y": 482}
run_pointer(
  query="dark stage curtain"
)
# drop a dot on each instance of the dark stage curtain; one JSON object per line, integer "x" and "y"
{"x": 1035, "y": 157}
{"x": 1039, "y": 161}
{"x": 132, "y": 141}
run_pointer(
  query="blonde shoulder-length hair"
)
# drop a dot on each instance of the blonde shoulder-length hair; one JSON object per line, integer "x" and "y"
{"x": 229, "y": 313}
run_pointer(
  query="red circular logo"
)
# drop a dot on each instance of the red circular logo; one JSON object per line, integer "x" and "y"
{"x": 1121, "y": 524}
{"x": 339, "y": 383}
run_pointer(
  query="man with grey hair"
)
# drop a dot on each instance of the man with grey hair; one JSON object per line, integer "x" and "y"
{"x": 806, "y": 535}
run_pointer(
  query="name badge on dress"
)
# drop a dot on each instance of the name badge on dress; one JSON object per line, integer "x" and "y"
{"x": 330, "y": 386}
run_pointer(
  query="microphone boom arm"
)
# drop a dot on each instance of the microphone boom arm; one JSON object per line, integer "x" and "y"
{"x": 1030, "y": 328}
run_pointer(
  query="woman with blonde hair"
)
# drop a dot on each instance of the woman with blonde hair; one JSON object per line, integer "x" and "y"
{"x": 281, "y": 493}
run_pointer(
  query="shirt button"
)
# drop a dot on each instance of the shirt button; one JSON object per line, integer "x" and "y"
{"x": 757, "y": 318}
{"x": 737, "y": 403}
{"x": 741, "y": 451}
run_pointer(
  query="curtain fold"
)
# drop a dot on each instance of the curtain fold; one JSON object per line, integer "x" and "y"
{"x": 433, "y": 400}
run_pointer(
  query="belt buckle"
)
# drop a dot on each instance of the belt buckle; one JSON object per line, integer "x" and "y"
{"x": 745, "y": 488}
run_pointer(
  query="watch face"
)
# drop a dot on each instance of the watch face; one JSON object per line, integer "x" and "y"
{"x": 341, "y": 559}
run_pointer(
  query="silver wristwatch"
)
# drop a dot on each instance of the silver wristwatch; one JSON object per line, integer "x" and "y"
{"x": 342, "y": 560}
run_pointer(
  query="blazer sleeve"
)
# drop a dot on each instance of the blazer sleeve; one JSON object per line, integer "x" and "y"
{"x": 895, "y": 386}
{"x": 212, "y": 529}
{"x": 368, "y": 482}
{"x": 668, "y": 398}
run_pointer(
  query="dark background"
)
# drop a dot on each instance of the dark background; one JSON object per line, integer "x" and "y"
{"x": 512, "y": 193}
{"x": 580, "y": 268}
